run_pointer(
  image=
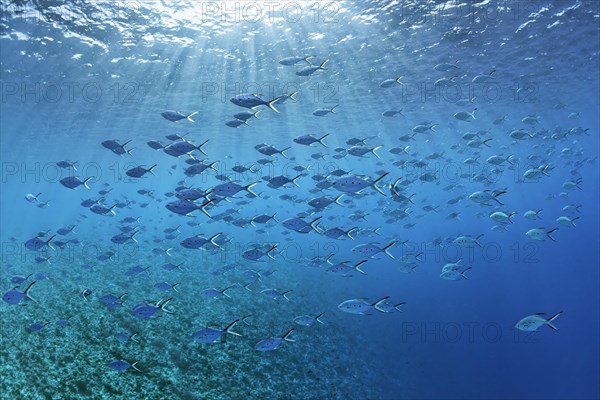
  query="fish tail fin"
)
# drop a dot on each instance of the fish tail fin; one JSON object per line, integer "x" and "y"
{"x": 287, "y": 334}
{"x": 549, "y": 321}
{"x": 351, "y": 230}
{"x": 26, "y": 292}
{"x": 282, "y": 152}
{"x": 385, "y": 249}
{"x": 284, "y": 294}
{"x": 272, "y": 249}
{"x": 271, "y": 103}
{"x": 398, "y": 80}
{"x": 247, "y": 286}
{"x": 549, "y": 233}
{"x": 291, "y": 96}
{"x": 84, "y": 183}
{"x": 228, "y": 328}
{"x": 174, "y": 287}
{"x": 323, "y": 137}
{"x": 337, "y": 200}
{"x": 212, "y": 165}
{"x": 378, "y": 302}
{"x": 273, "y": 217}
{"x": 463, "y": 273}
{"x": 132, "y": 237}
{"x": 374, "y": 184}
{"x": 313, "y": 226}
{"x": 168, "y": 250}
{"x": 477, "y": 240}
{"x": 573, "y": 221}
{"x": 212, "y": 240}
{"x": 357, "y": 266}
{"x": 164, "y": 305}
{"x": 249, "y": 187}
{"x": 512, "y": 214}
{"x": 538, "y": 212}
{"x": 329, "y": 258}
{"x": 294, "y": 180}
{"x": 48, "y": 242}
{"x": 318, "y": 318}
{"x": 151, "y": 168}
{"x": 307, "y": 59}
{"x": 418, "y": 255}
{"x": 374, "y": 149}
{"x": 200, "y": 149}
{"x": 331, "y": 110}
{"x": 134, "y": 366}
{"x": 397, "y": 306}
{"x": 255, "y": 114}
{"x": 110, "y": 209}
{"x": 485, "y": 142}
{"x": 322, "y": 66}
{"x": 189, "y": 116}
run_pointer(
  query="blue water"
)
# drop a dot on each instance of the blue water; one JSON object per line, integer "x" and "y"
{"x": 75, "y": 75}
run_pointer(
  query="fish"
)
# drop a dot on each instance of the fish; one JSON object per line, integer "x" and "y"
{"x": 311, "y": 69}
{"x": 246, "y": 115}
{"x": 309, "y": 140}
{"x": 465, "y": 116}
{"x": 502, "y": 217}
{"x": 566, "y": 221}
{"x": 273, "y": 343}
{"x": 138, "y": 172}
{"x": 370, "y": 250}
{"x": 288, "y": 61}
{"x": 446, "y": 67}
{"x": 148, "y": 310}
{"x": 362, "y": 306}
{"x": 212, "y": 335}
{"x": 540, "y": 234}
{"x": 230, "y": 189}
{"x": 274, "y": 294}
{"x": 299, "y": 225}
{"x": 180, "y": 148}
{"x": 73, "y": 182}
{"x": 175, "y": 116}
{"x": 321, "y": 112}
{"x": 392, "y": 113}
{"x": 309, "y": 320}
{"x": 531, "y": 323}
{"x": 485, "y": 196}
{"x": 344, "y": 269}
{"x": 198, "y": 242}
{"x": 65, "y": 164}
{"x": 388, "y": 83}
{"x": 256, "y": 254}
{"x": 236, "y": 123}
{"x": 356, "y": 185}
{"x": 36, "y": 243}
{"x": 122, "y": 365}
{"x": 32, "y": 198}
{"x": 251, "y": 101}
{"x": 186, "y": 207}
